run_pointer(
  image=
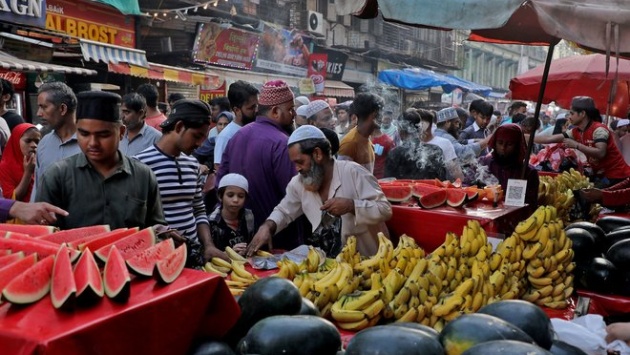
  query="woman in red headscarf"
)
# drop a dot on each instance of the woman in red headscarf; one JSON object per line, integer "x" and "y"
{"x": 506, "y": 160}
{"x": 18, "y": 162}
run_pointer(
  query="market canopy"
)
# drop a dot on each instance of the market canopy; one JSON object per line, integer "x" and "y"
{"x": 420, "y": 79}
{"x": 10, "y": 62}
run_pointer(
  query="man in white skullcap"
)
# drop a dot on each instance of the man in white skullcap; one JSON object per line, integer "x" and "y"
{"x": 300, "y": 116}
{"x": 319, "y": 114}
{"x": 448, "y": 126}
{"x": 301, "y": 101}
{"x": 339, "y": 198}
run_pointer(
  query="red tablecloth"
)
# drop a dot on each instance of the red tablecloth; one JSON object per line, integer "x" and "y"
{"x": 429, "y": 227}
{"x": 156, "y": 320}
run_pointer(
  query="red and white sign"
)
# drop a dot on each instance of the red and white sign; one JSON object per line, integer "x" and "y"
{"x": 18, "y": 79}
{"x": 317, "y": 63}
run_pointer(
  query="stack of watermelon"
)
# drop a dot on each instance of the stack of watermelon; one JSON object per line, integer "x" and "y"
{"x": 36, "y": 260}
{"x": 430, "y": 193}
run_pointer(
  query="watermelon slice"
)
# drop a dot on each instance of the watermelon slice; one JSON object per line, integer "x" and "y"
{"x": 20, "y": 236}
{"x": 433, "y": 199}
{"x": 456, "y": 197}
{"x": 11, "y": 271}
{"x": 422, "y": 189}
{"x": 87, "y": 278}
{"x": 167, "y": 270}
{"x": 396, "y": 193}
{"x": 10, "y": 258}
{"x": 107, "y": 239}
{"x": 116, "y": 277}
{"x": 143, "y": 263}
{"x": 471, "y": 195}
{"x": 76, "y": 243}
{"x": 62, "y": 286}
{"x": 131, "y": 245}
{"x": 29, "y": 247}
{"x": 32, "y": 230}
{"x": 70, "y": 235}
{"x": 32, "y": 284}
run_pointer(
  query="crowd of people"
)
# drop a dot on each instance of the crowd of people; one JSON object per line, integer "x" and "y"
{"x": 263, "y": 168}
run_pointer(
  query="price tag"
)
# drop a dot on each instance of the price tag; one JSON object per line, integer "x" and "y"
{"x": 515, "y": 192}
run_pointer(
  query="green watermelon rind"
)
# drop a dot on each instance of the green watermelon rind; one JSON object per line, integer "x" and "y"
{"x": 38, "y": 287}
{"x": 129, "y": 245}
{"x": 62, "y": 280}
{"x": 115, "y": 265}
{"x": 144, "y": 262}
{"x": 86, "y": 289}
{"x": 168, "y": 270}
{"x": 434, "y": 199}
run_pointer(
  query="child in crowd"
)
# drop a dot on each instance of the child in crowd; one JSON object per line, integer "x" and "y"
{"x": 17, "y": 166}
{"x": 231, "y": 225}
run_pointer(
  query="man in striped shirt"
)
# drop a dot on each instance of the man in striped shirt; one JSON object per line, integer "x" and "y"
{"x": 179, "y": 179}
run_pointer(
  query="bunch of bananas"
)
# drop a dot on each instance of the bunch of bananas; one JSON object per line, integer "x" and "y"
{"x": 358, "y": 310}
{"x": 558, "y": 192}
{"x": 549, "y": 258}
{"x": 240, "y": 278}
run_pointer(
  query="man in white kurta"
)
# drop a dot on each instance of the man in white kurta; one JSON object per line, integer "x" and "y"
{"x": 342, "y": 189}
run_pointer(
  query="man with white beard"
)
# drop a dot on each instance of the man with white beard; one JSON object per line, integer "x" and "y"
{"x": 339, "y": 198}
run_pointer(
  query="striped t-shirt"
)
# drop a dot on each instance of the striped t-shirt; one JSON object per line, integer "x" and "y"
{"x": 180, "y": 189}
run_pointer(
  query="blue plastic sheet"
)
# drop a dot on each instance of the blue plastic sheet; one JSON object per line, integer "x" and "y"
{"x": 420, "y": 79}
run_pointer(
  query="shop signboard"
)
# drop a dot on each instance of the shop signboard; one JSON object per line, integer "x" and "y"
{"x": 207, "y": 93}
{"x": 92, "y": 21}
{"x": 284, "y": 51}
{"x": 30, "y": 13}
{"x": 18, "y": 79}
{"x": 317, "y": 64}
{"x": 336, "y": 63}
{"x": 225, "y": 46}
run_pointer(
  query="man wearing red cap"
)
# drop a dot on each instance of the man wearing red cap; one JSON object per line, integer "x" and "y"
{"x": 259, "y": 152}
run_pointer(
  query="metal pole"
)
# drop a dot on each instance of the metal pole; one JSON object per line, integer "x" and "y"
{"x": 541, "y": 94}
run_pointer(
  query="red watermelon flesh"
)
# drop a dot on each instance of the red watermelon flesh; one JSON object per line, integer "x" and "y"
{"x": 471, "y": 195}
{"x": 76, "y": 244}
{"x": 62, "y": 286}
{"x": 10, "y": 258}
{"x": 29, "y": 247}
{"x": 20, "y": 236}
{"x": 11, "y": 271}
{"x": 456, "y": 197}
{"x": 116, "y": 277}
{"x": 70, "y": 235}
{"x": 32, "y": 284}
{"x": 87, "y": 278}
{"x": 419, "y": 190}
{"x": 434, "y": 199}
{"x": 143, "y": 263}
{"x": 397, "y": 193}
{"x": 32, "y": 230}
{"x": 131, "y": 245}
{"x": 107, "y": 239}
{"x": 167, "y": 270}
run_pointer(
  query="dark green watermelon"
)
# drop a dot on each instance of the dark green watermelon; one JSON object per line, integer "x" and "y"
{"x": 583, "y": 245}
{"x": 308, "y": 308}
{"x": 610, "y": 223}
{"x": 615, "y": 237}
{"x": 385, "y": 340}
{"x": 212, "y": 348}
{"x": 417, "y": 326}
{"x": 601, "y": 276}
{"x": 619, "y": 255}
{"x": 596, "y": 231}
{"x": 505, "y": 347}
{"x": 561, "y": 348}
{"x": 623, "y": 286}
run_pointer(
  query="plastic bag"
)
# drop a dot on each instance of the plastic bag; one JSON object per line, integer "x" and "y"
{"x": 296, "y": 255}
{"x": 589, "y": 334}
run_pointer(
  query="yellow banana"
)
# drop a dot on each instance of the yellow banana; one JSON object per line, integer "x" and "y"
{"x": 402, "y": 296}
{"x": 210, "y": 268}
{"x": 526, "y": 226}
{"x": 535, "y": 272}
{"x": 497, "y": 279}
{"x": 410, "y": 316}
{"x": 495, "y": 261}
{"x": 355, "y": 326}
{"x": 239, "y": 269}
{"x": 558, "y": 290}
{"x": 234, "y": 255}
{"x": 236, "y": 277}
{"x": 546, "y": 291}
{"x": 465, "y": 287}
{"x": 556, "y": 304}
{"x": 553, "y": 275}
{"x": 568, "y": 292}
{"x": 447, "y": 305}
{"x": 414, "y": 302}
{"x": 400, "y": 311}
{"x": 220, "y": 262}
{"x": 331, "y": 278}
{"x": 562, "y": 255}
{"x": 306, "y": 286}
{"x": 374, "y": 309}
{"x": 540, "y": 282}
{"x": 236, "y": 291}
{"x": 531, "y": 250}
{"x": 359, "y": 300}
{"x": 263, "y": 254}
{"x": 237, "y": 284}
{"x": 544, "y": 234}
{"x": 547, "y": 250}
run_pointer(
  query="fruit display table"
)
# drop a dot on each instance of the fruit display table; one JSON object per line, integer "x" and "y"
{"x": 429, "y": 227}
{"x": 157, "y": 319}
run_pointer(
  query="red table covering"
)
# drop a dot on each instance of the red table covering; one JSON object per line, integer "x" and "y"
{"x": 157, "y": 319}
{"x": 429, "y": 227}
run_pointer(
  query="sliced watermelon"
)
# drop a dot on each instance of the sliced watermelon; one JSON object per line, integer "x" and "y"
{"x": 31, "y": 285}
{"x": 10, "y": 258}
{"x": 76, "y": 243}
{"x": 456, "y": 197}
{"x": 21, "y": 236}
{"x": 471, "y": 194}
{"x": 116, "y": 277}
{"x": 167, "y": 270}
{"x": 131, "y": 245}
{"x": 28, "y": 247}
{"x": 398, "y": 193}
{"x": 32, "y": 230}
{"x": 107, "y": 239}
{"x": 62, "y": 286}
{"x": 11, "y": 271}
{"x": 143, "y": 263}
{"x": 70, "y": 235}
{"x": 87, "y": 278}
{"x": 434, "y": 199}
{"x": 422, "y": 189}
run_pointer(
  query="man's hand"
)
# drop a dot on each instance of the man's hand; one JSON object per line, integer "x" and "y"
{"x": 570, "y": 143}
{"x": 213, "y": 251}
{"x": 36, "y": 213}
{"x": 618, "y": 331}
{"x": 164, "y": 233}
{"x": 591, "y": 195}
{"x": 262, "y": 237}
{"x": 338, "y": 206}
{"x": 240, "y": 248}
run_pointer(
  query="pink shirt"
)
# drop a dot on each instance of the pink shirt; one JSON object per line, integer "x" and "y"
{"x": 155, "y": 121}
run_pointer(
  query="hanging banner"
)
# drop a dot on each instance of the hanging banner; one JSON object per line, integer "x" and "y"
{"x": 31, "y": 13}
{"x": 336, "y": 63}
{"x": 317, "y": 65}
{"x": 227, "y": 47}
{"x": 91, "y": 21}
{"x": 207, "y": 93}
{"x": 284, "y": 51}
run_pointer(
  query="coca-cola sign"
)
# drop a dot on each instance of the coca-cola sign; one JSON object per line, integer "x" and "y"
{"x": 18, "y": 79}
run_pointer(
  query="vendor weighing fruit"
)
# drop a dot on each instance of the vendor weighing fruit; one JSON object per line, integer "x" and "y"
{"x": 100, "y": 185}
{"x": 339, "y": 198}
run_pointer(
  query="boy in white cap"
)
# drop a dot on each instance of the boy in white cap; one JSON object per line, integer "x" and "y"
{"x": 231, "y": 225}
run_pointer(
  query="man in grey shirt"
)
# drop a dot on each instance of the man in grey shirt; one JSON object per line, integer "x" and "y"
{"x": 57, "y": 106}
{"x": 448, "y": 126}
{"x": 138, "y": 135}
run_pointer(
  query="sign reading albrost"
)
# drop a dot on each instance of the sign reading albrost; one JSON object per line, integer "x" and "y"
{"x": 91, "y": 21}
{"x": 27, "y": 12}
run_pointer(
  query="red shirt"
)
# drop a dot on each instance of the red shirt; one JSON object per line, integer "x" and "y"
{"x": 617, "y": 195}
{"x": 379, "y": 163}
{"x": 612, "y": 166}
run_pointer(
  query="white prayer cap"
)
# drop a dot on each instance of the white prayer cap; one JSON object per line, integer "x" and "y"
{"x": 316, "y": 106}
{"x": 302, "y": 110}
{"x": 302, "y": 100}
{"x": 562, "y": 115}
{"x": 305, "y": 132}
{"x": 623, "y": 122}
{"x": 446, "y": 114}
{"x": 237, "y": 180}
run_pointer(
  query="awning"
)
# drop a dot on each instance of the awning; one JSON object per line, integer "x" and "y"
{"x": 157, "y": 71}
{"x": 338, "y": 89}
{"x": 109, "y": 53}
{"x": 10, "y": 62}
{"x": 419, "y": 79}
